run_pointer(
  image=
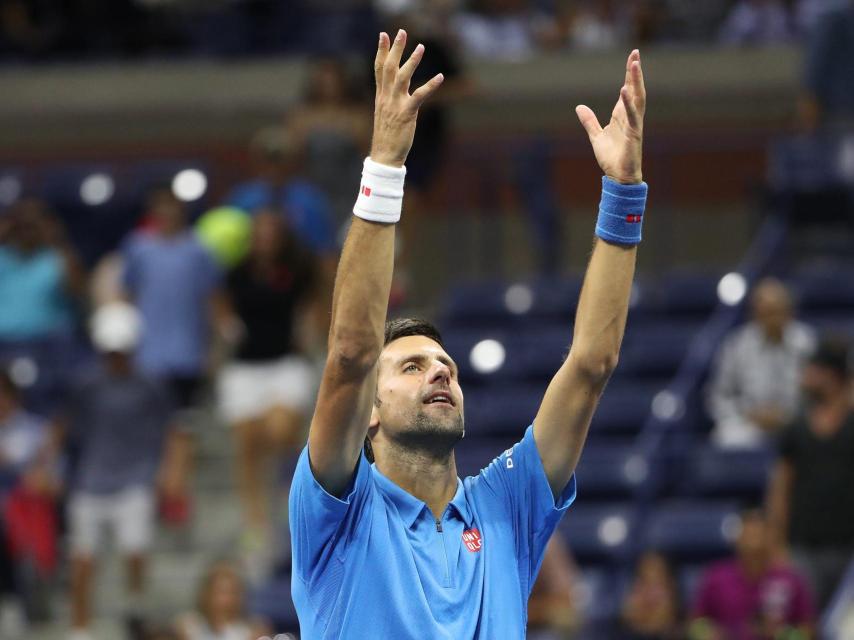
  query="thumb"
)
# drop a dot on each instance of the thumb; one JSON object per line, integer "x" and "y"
{"x": 588, "y": 120}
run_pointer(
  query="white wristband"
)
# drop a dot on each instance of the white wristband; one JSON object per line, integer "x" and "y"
{"x": 381, "y": 193}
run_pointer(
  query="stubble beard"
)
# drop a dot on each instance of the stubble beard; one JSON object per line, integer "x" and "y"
{"x": 430, "y": 436}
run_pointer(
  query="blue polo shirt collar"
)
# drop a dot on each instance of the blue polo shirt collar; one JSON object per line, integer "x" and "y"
{"x": 409, "y": 507}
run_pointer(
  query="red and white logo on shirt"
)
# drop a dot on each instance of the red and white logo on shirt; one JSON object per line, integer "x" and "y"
{"x": 366, "y": 191}
{"x": 472, "y": 540}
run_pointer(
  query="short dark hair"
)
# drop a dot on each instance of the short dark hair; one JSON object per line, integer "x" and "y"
{"x": 403, "y": 328}
{"x": 832, "y": 353}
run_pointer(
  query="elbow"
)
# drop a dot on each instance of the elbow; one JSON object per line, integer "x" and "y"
{"x": 353, "y": 355}
{"x": 596, "y": 367}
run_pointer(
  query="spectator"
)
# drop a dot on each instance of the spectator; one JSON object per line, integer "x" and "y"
{"x": 277, "y": 164}
{"x": 267, "y": 391}
{"x": 331, "y": 126}
{"x": 501, "y": 29}
{"x": 220, "y": 609}
{"x": 651, "y": 608}
{"x": 752, "y": 596}
{"x": 828, "y": 100}
{"x": 552, "y": 607}
{"x": 175, "y": 283}
{"x": 811, "y": 503}
{"x": 595, "y": 25}
{"x": 28, "y": 528}
{"x": 756, "y": 22}
{"x": 117, "y": 423}
{"x": 754, "y": 388}
{"x": 40, "y": 276}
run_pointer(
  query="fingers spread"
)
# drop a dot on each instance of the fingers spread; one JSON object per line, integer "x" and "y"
{"x": 588, "y": 120}
{"x": 408, "y": 68}
{"x": 392, "y": 61}
{"x": 426, "y": 90}
{"x": 379, "y": 61}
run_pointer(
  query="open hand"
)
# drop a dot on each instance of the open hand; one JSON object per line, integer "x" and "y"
{"x": 618, "y": 145}
{"x": 395, "y": 110}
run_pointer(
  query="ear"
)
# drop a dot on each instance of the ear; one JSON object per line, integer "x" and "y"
{"x": 375, "y": 418}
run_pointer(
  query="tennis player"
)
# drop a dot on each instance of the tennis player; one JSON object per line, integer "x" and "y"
{"x": 388, "y": 543}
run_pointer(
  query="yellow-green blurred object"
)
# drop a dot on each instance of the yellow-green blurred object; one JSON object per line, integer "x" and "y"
{"x": 226, "y": 232}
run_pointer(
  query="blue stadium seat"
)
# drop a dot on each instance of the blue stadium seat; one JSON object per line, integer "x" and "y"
{"x": 624, "y": 407}
{"x": 692, "y": 531}
{"x": 502, "y": 410}
{"x": 656, "y": 348}
{"x": 611, "y": 471}
{"x": 600, "y": 532}
{"x": 724, "y": 473}
{"x": 824, "y": 287}
{"x": 688, "y": 293}
{"x": 494, "y": 304}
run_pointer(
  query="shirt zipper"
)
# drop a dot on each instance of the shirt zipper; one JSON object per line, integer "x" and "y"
{"x": 444, "y": 552}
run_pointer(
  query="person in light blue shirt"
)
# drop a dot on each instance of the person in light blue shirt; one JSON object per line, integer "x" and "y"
{"x": 388, "y": 542}
{"x": 278, "y": 186}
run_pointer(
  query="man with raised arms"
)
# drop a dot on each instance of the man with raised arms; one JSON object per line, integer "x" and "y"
{"x": 388, "y": 543}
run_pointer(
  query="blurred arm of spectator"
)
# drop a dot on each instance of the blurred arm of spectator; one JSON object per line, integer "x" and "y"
{"x": 552, "y": 603}
{"x": 778, "y": 499}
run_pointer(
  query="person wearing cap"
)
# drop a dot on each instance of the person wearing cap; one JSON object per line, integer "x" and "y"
{"x": 116, "y": 426}
{"x": 810, "y": 500}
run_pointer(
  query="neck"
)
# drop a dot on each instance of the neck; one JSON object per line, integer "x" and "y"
{"x": 754, "y": 565}
{"x": 432, "y": 479}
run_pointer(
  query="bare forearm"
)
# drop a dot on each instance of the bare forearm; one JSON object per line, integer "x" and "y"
{"x": 600, "y": 320}
{"x": 362, "y": 285}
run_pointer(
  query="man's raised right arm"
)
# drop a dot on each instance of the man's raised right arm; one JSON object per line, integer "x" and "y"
{"x": 363, "y": 280}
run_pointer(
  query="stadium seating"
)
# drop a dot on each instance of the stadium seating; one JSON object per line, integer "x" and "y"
{"x": 723, "y": 473}
{"x": 691, "y": 530}
{"x": 602, "y": 533}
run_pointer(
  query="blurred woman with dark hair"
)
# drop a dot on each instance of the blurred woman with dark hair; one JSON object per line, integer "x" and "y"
{"x": 266, "y": 390}
{"x": 651, "y": 609}
{"x": 220, "y": 609}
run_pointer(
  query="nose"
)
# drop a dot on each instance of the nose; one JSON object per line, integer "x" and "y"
{"x": 440, "y": 372}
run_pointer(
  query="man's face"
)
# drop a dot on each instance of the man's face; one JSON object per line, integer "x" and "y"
{"x": 753, "y": 540}
{"x": 772, "y": 311}
{"x": 419, "y": 400}
{"x": 820, "y": 384}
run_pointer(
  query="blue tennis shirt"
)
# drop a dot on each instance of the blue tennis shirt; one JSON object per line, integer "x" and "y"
{"x": 377, "y": 564}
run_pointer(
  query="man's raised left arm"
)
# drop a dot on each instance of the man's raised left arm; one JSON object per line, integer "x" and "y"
{"x": 562, "y": 422}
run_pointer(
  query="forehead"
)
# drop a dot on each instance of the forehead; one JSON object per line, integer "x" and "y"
{"x": 412, "y": 346}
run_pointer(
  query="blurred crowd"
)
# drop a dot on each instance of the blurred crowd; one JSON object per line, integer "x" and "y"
{"x": 111, "y": 368}
{"x": 508, "y": 29}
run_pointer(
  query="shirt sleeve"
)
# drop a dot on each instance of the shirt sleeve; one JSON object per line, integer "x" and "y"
{"x": 321, "y": 523}
{"x": 518, "y": 480}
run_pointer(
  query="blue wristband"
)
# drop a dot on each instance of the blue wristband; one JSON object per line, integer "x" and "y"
{"x": 621, "y": 212}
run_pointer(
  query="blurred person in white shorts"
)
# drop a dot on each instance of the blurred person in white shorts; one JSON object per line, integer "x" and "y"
{"x": 267, "y": 390}
{"x": 116, "y": 425}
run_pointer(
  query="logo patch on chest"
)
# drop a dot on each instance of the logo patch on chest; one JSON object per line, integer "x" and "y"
{"x": 472, "y": 540}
